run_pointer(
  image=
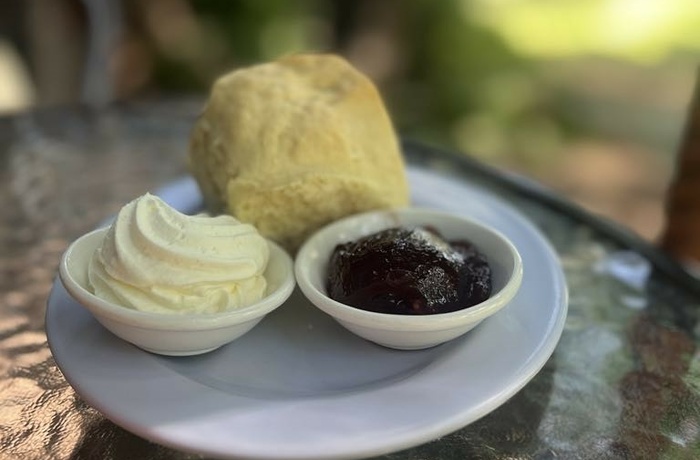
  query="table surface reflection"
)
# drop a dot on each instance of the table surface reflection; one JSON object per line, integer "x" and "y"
{"x": 624, "y": 381}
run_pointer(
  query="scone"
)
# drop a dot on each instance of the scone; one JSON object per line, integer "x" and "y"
{"x": 291, "y": 145}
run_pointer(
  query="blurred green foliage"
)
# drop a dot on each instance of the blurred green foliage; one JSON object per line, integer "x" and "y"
{"x": 510, "y": 80}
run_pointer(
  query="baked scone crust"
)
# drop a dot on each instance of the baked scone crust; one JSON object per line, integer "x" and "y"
{"x": 291, "y": 145}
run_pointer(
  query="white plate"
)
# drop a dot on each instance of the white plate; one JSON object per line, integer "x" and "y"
{"x": 299, "y": 385}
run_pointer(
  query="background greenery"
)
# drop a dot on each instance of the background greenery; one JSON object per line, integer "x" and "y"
{"x": 588, "y": 97}
{"x": 512, "y": 79}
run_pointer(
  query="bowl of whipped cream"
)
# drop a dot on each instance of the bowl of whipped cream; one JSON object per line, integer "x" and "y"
{"x": 175, "y": 284}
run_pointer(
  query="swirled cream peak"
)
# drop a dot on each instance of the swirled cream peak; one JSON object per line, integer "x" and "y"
{"x": 156, "y": 259}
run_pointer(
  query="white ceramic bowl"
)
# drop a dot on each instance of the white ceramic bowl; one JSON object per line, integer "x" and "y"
{"x": 401, "y": 331}
{"x": 173, "y": 334}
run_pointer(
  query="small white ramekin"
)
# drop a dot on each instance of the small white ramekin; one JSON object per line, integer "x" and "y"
{"x": 173, "y": 334}
{"x": 403, "y": 331}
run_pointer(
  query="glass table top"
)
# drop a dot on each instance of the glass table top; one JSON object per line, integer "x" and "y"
{"x": 623, "y": 382}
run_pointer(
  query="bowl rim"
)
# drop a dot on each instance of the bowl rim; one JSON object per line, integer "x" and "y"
{"x": 177, "y": 321}
{"x": 389, "y": 321}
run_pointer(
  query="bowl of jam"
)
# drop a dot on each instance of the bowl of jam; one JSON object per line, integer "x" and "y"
{"x": 408, "y": 278}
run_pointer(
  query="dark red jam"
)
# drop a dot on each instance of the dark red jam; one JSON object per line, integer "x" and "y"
{"x": 408, "y": 272}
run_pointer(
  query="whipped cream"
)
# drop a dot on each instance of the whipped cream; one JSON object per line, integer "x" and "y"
{"x": 156, "y": 259}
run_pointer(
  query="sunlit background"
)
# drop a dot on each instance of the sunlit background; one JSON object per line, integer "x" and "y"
{"x": 588, "y": 97}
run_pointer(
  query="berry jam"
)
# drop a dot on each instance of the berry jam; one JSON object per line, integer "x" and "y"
{"x": 408, "y": 272}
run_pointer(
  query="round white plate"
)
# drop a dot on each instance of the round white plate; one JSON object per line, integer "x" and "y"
{"x": 299, "y": 386}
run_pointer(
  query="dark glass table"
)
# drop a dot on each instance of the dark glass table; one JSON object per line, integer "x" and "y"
{"x": 623, "y": 382}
